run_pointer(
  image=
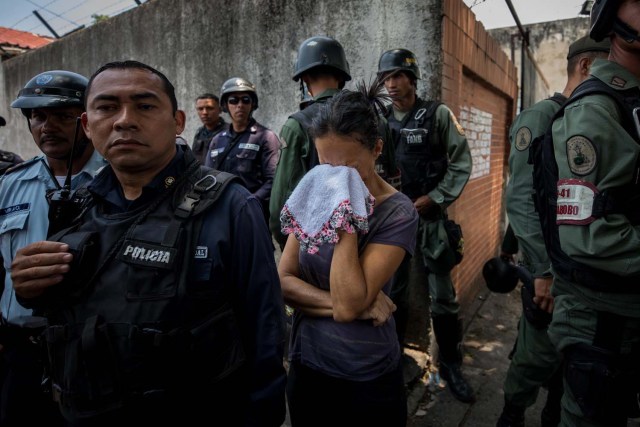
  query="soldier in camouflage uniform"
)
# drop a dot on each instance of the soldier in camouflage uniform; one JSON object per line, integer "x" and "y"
{"x": 433, "y": 156}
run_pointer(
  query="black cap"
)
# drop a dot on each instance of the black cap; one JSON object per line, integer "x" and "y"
{"x": 2, "y": 121}
{"x": 587, "y": 44}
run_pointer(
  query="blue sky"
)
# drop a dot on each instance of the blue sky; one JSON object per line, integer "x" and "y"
{"x": 66, "y": 15}
{"x": 62, "y": 15}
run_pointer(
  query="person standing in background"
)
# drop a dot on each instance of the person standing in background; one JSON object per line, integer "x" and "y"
{"x": 208, "y": 108}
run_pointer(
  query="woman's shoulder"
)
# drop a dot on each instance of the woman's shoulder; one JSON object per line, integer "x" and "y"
{"x": 396, "y": 207}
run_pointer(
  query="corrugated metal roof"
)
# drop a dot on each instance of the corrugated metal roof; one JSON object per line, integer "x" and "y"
{"x": 22, "y": 39}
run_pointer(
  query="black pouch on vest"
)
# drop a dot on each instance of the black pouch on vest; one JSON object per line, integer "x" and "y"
{"x": 456, "y": 240}
{"x": 83, "y": 245}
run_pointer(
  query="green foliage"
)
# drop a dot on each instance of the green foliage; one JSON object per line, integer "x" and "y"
{"x": 99, "y": 18}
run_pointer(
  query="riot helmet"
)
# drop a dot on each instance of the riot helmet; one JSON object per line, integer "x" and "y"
{"x": 603, "y": 15}
{"x": 398, "y": 60}
{"x": 604, "y": 21}
{"x": 321, "y": 51}
{"x": 56, "y": 88}
{"x": 237, "y": 84}
{"x": 501, "y": 276}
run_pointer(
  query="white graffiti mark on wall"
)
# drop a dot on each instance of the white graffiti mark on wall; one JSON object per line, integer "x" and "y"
{"x": 477, "y": 126}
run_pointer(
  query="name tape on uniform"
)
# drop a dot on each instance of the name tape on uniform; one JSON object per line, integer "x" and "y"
{"x": 575, "y": 202}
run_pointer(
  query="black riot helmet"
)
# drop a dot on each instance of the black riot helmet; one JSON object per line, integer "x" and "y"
{"x": 321, "y": 51}
{"x": 604, "y": 21}
{"x": 398, "y": 60}
{"x": 603, "y": 15}
{"x": 501, "y": 276}
{"x": 56, "y": 88}
{"x": 237, "y": 84}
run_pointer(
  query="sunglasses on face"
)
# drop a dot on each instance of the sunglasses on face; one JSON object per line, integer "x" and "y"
{"x": 234, "y": 100}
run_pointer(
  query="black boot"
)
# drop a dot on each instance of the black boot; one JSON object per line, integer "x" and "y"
{"x": 512, "y": 416}
{"x": 550, "y": 416}
{"x": 448, "y": 332}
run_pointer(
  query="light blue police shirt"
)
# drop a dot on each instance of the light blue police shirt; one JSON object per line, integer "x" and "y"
{"x": 24, "y": 220}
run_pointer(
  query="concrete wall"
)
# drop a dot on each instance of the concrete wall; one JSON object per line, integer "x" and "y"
{"x": 549, "y": 42}
{"x": 198, "y": 44}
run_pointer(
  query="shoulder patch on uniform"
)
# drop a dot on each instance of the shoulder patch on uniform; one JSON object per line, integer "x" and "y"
{"x": 581, "y": 155}
{"x": 523, "y": 138}
{"x": 618, "y": 82}
{"x": 459, "y": 127}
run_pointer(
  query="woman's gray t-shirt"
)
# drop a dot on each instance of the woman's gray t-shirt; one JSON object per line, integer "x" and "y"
{"x": 356, "y": 350}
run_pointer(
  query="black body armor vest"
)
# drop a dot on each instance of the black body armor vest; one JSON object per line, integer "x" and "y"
{"x": 149, "y": 332}
{"x": 420, "y": 155}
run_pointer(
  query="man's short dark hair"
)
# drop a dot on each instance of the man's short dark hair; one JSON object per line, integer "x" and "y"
{"x": 130, "y": 64}
{"x": 323, "y": 70}
{"x": 593, "y": 55}
{"x": 209, "y": 96}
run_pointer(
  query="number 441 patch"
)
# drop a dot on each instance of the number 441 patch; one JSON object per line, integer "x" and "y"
{"x": 575, "y": 202}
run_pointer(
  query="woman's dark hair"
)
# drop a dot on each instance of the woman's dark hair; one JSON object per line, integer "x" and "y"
{"x": 352, "y": 113}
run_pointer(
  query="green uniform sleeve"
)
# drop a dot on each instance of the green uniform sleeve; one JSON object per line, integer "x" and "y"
{"x": 451, "y": 133}
{"x": 609, "y": 243}
{"x": 523, "y": 217}
{"x": 294, "y": 151}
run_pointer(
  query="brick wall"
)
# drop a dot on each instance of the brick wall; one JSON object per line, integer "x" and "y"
{"x": 479, "y": 84}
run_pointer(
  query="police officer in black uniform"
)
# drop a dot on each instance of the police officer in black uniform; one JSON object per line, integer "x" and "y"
{"x": 435, "y": 163}
{"x": 163, "y": 299}
{"x": 208, "y": 108}
{"x": 246, "y": 148}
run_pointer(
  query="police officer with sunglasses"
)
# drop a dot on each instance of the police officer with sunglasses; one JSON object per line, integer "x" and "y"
{"x": 247, "y": 149}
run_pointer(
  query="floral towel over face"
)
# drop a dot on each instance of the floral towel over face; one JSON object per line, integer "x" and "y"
{"x": 327, "y": 199}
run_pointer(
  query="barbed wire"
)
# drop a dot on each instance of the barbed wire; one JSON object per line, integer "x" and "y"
{"x": 60, "y": 16}
{"x": 53, "y": 13}
{"x": 97, "y": 12}
{"x": 476, "y": 2}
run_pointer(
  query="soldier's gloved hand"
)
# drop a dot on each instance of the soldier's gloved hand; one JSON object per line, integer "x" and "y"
{"x": 543, "y": 298}
{"x": 38, "y": 266}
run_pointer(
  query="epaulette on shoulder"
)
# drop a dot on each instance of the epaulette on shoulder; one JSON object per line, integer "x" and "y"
{"x": 23, "y": 165}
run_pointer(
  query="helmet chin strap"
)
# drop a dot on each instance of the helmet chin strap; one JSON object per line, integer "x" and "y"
{"x": 626, "y": 31}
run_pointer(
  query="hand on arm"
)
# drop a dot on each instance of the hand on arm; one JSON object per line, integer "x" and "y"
{"x": 38, "y": 266}
{"x": 356, "y": 282}
{"x": 380, "y": 311}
